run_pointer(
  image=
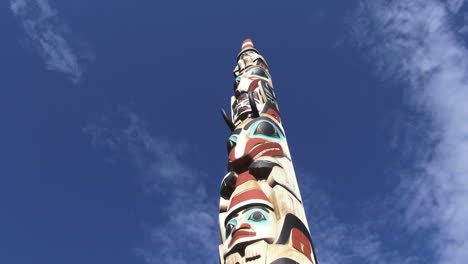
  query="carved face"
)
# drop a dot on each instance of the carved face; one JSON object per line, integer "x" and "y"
{"x": 258, "y": 138}
{"x": 255, "y": 81}
{"x": 248, "y": 59}
{"x": 250, "y": 224}
{"x": 241, "y": 106}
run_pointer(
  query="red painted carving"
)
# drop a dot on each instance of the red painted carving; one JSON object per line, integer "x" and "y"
{"x": 301, "y": 243}
{"x": 244, "y": 177}
{"x": 253, "y": 147}
{"x": 248, "y": 195}
{"x": 274, "y": 114}
{"x": 245, "y": 230}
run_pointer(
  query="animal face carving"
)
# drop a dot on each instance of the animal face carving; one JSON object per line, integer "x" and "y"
{"x": 249, "y": 80}
{"x": 260, "y": 137}
{"x": 250, "y": 224}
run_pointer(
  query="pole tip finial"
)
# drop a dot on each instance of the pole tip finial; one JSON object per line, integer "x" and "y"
{"x": 247, "y": 44}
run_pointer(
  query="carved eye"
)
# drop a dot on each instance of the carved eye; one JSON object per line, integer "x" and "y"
{"x": 229, "y": 227}
{"x": 257, "y": 216}
{"x": 236, "y": 83}
{"x": 231, "y": 143}
{"x": 266, "y": 129}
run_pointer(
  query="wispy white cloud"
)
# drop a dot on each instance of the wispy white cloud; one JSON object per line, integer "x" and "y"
{"x": 48, "y": 35}
{"x": 188, "y": 233}
{"x": 416, "y": 43}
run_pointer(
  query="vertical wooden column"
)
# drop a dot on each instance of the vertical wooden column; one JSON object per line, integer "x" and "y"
{"x": 261, "y": 215}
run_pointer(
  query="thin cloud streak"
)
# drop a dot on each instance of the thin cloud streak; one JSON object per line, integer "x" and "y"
{"x": 416, "y": 42}
{"x": 454, "y": 5}
{"x": 47, "y": 34}
{"x": 189, "y": 232}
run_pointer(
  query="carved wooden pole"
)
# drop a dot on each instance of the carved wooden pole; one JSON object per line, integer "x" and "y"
{"x": 261, "y": 217}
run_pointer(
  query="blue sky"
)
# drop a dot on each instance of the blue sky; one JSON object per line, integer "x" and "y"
{"x": 112, "y": 147}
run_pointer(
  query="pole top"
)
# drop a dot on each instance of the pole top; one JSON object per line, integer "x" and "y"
{"x": 247, "y": 44}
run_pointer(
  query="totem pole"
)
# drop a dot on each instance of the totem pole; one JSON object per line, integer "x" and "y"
{"x": 261, "y": 217}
